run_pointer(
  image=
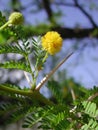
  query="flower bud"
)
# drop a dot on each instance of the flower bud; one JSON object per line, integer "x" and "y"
{"x": 16, "y": 18}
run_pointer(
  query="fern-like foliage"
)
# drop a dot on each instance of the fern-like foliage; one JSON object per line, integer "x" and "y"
{"x": 90, "y": 109}
{"x": 15, "y": 65}
{"x": 92, "y": 125}
{"x": 15, "y": 106}
{"x": 47, "y": 118}
{"x": 39, "y": 53}
{"x": 22, "y": 49}
{"x": 90, "y": 116}
{"x": 14, "y": 111}
{"x": 56, "y": 91}
{"x": 8, "y": 48}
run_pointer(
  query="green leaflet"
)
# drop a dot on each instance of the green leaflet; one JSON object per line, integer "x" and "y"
{"x": 92, "y": 125}
{"x": 4, "y": 49}
{"x": 15, "y": 110}
{"x": 15, "y": 65}
{"x": 48, "y": 118}
{"x": 35, "y": 117}
{"x": 90, "y": 109}
{"x": 54, "y": 87}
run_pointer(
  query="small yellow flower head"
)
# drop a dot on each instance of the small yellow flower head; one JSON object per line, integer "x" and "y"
{"x": 52, "y": 42}
{"x": 16, "y": 18}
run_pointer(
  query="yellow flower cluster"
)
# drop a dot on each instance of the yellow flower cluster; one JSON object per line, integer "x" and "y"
{"x": 52, "y": 42}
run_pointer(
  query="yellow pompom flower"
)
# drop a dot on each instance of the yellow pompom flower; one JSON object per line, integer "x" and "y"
{"x": 52, "y": 42}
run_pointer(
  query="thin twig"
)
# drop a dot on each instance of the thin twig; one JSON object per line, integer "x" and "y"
{"x": 44, "y": 80}
{"x": 85, "y": 13}
{"x": 78, "y": 6}
{"x": 63, "y": 4}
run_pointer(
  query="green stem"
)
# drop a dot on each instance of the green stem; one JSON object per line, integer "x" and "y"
{"x": 4, "y": 26}
{"x": 15, "y": 91}
{"x": 46, "y": 56}
{"x": 35, "y": 95}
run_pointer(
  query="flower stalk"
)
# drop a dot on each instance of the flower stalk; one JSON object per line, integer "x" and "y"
{"x": 4, "y": 26}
